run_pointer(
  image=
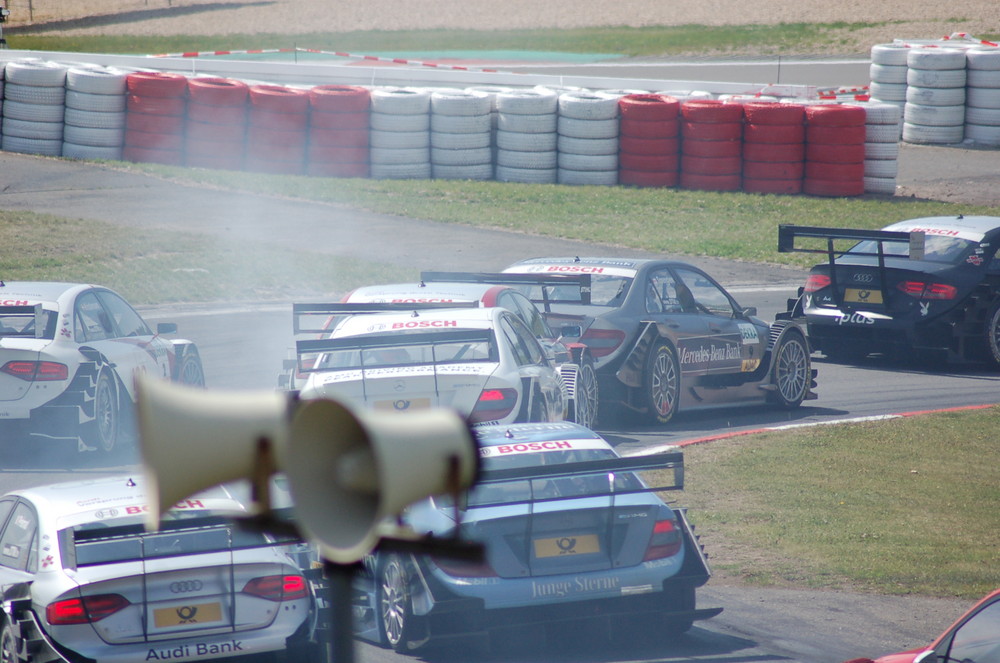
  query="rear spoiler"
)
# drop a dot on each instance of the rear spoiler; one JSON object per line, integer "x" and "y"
{"x": 580, "y": 281}
{"x": 35, "y": 312}
{"x": 303, "y": 312}
{"x": 400, "y": 340}
{"x": 788, "y": 233}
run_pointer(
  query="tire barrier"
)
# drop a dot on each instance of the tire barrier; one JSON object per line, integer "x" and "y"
{"x": 154, "y": 122}
{"x": 94, "y": 117}
{"x": 461, "y": 135}
{"x": 527, "y": 143}
{"x": 982, "y": 110}
{"x": 882, "y": 127}
{"x": 711, "y": 145}
{"x": 400, "y": 135}
{"x": 649, "y": 142}
{"x": 587, "y": 138}
{"x": 835, "y": 150}
{"x": 934, "y": 112}
{"x": 277, "y": 129}
{"x": 34, "y": 107}
{"x": 339, "y": 124}
{"x": 774, "y": 150}
{"x": 216, "y": 128}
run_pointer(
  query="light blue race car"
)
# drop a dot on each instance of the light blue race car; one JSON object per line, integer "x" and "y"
{"x": 571, "y": 533}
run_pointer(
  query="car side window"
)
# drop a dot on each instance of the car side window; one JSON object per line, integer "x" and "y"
{"x": 129, "y": 322}
{"x": 18, "y": 539}
{"x": 662, "y": 295}
{"x": 5, "y": 507}
{"x": 531, "y": 346}
{"x": 708, "y": 297}
{"x": 90, "y": 321}
{"x": 970, "y": 642}
{"x": 531, "y": 316}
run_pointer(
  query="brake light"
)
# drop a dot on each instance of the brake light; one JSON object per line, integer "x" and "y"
{"x": 459, "y": 568}
{"x": 816, "y": 282}
{"x": 493, "y": 404}
{"x": 921, "y": 290}
{"x": 278, "y": 588}
{"x": 666, "y": 541}
{"x": 36, "y": 371}
{"x": 84, "y": 610}
{"x": 602, "y": 342}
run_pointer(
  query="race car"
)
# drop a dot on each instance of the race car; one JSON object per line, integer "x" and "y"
{"x": 69, "y": 354}
{"x": 666, "y": 337}
{"x": 571, "y": 533}
{"x": 483, "y": 362}
{"x": 974, "y": 637}
{"x": 927, "y": 287}
{"x": 84, "y": 581}
{"x": 448, "y": 288}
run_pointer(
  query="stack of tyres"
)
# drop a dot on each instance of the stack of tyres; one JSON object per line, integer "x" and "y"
{"x": 935, "y": 96}
{"x": 215, "y": 133}
{"x": 492, "y": 91}
{"x": 982, "y": 109}
{"x": 95, "y": 113}
{"x": 34, "y": 107}
{"x": 154, "y": 123}
{"x": 339, "y": 121}
{"x": 835, "y": 150}
{"x": 527, "y": 150}
{"x": 587, "y": 139}
{"x": 277, "y": 126}
{"x": 649, "y": 143}
{"x": 888, "y": 74}
{"x": 461, "y": 135}
{"x": 711, "y": 145}
{"x": 774, "y": 147}
{"x": 401, "y": 133}
{"x": 882, "y": 122}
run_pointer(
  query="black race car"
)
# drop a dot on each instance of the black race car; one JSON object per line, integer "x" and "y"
{"x": 927, "y": 287}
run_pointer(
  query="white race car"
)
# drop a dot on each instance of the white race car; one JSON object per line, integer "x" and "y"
{"x": 483, "y": 362}
{"x": 69, "y": 354}
{"x": 84, "y": 581}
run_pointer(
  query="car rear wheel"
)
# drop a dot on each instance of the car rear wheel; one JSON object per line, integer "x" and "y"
{"x": 8, "y": 645}
{"x": 395, "y": 608}
{"x": 103, "y": 431}
{"x": 791, "y": 372}
{"x": 992, "y": 331}
{"x": 662, "y": 383}
{"x": 585, "y": 400}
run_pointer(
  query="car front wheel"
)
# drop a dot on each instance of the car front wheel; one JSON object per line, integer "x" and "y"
{"x": 791, "y": 371}
{"x": 8, "y": 645}
{"x": 992, "y": 332}
{"x": 662, "y": 383}
{"x": 395, "y": 609}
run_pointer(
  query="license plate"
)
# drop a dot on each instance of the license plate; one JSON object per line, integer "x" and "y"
{"x": 862, "y": 296}
{"x": 195, "y": 613}
{"x": 567, "y": 545}
{"x": 403, "y": 404}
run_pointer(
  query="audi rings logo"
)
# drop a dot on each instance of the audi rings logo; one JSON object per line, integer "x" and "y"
{"x": 864, "y": 278}
{"x": 185, "y": 586}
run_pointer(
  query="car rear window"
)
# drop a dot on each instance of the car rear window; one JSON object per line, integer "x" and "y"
{"x": 937, "y": 248}
{"x": 408, "y": 355}
{"x": 16, "y": 321}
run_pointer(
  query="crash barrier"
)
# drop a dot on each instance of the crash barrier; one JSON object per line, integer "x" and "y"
{"x": 534, "y": 135}
{"x": 948, "y": 90}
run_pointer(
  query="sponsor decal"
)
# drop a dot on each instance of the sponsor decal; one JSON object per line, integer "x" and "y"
{"x": 422, "y": 300}
{"x": 420, "y": 324}
{"x": 925, "y": 308}
{"x": 750, "y": 365}
{"x": 195, "y": 649}
{"x": 710, "y": 353}
{"x": 856, "y": 318}
{"x": 974, "y": 260}
{"x": 186, "y": 504}
{"x": 536, "y": 447}
{"x": 47, "y": 561}
{"x": 863, "y": 296}
{"x": 576, "y": 585}
{"x": 749, "y": 333}
{"x": 14, "y": 302}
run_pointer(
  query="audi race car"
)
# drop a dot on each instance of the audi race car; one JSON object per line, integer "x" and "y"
{"x": 926, "y": 287}
{"x": 571, "y": 532}
{"x": 666, "y": 337}
{"x": 84, "y": 581}
{"x": 69, "y": 354}
{"x": 483, "y": 362}
{"x": 449, "y": 288}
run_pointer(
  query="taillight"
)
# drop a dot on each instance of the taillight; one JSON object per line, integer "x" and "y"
{"x": 493, "y": 404}
{"x": 84, "y": 610}
{"x": 458, "y": 568}
{"x": 36, "y": 371}
{"x": 665, "y": 542}
{"x": 278, "y": 588}
{"x": 602, "y": 342}
{"x": 816, "y": 282}
{"x": 921, "y": 290}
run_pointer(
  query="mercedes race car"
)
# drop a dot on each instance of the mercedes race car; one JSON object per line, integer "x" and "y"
{"x": 84, "y": 581}
{"x": 927, "y": 287}
{"x": 571, "y": 532}
{"x": 666, "y": 337}
{"x": 69, "y": 354}
{"x": 483, "y": 362}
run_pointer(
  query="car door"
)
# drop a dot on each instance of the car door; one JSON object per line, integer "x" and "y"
{"x": 733, "y": 344}
{"x": 669, "y": 306}
{"x": 535, "y": 369}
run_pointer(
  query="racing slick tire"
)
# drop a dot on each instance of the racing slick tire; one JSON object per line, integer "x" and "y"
{"x": 585, "y": 401}
{"x": 992, "y": 334}
{"x": 189, "y": 370}
{"x": 791, "y": 371}
{"x": 396, "y": 626}
{"x": 8, "y": 644}
{"x": 103, "y": 431}
{"x": 661, "y": 383}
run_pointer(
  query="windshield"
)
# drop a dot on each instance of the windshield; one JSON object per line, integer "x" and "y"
{"x": 605, "y": 291}
{"x": 24, "y": 323}
{"x": 937, "y": 248}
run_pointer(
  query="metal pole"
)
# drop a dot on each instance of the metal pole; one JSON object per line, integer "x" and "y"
{"x": 340, "y": 577}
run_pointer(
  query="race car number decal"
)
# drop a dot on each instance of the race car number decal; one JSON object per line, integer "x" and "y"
{"x": 749, "y": 333}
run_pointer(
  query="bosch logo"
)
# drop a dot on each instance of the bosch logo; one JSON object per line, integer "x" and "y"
{"x": 185, "y": 586}
{"x": 864, "y": 278}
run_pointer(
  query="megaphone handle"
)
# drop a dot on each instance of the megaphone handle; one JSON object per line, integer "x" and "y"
{"x": 339, "y": 579}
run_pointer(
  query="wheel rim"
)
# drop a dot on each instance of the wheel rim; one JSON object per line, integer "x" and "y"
{"x": 586, "y": 397}
{"x": 191, "y": 373}
{"x": 393, "y": 603}
{"x": 790, "y": 372}
{"x": 7, "y": 647}
{"x": 663, "y": 384}
{"x": 105, "y": 415}
{"x": 994, "y": 335}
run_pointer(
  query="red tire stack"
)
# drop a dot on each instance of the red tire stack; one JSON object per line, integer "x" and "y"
{"x": 648, "y": 140}
{"x": 154, "y": 122}
{"x": 215, "y": 133}
{"x": 835, "y": 150}
{"x": 277, "y": 129}
{"x": 711, "y": 145}
{"x": 338, "y": 131}
{"x": 774, "y": 147}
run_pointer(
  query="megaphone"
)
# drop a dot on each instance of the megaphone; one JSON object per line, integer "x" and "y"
{"x": 348, "y": 471}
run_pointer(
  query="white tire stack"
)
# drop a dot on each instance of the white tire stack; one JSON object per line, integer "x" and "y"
{"x": 882, "y": 121}
{"x": 982, "y": 110}
{"x": 95, "y": 113}
{"x": 934, "y": 112}
{"x": 526, "y": 136}
{"x": 492, "y": 91}
{"x": 34, "y": 103}
{"x": 400, "y": 135}
{"x": 461, "y": 135}
{"x": 587, "y": 138}
{"x": 888, "y": 74}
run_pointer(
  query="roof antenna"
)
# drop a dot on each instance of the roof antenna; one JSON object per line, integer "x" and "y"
{"x": 961, "y": 216}
{"x": 508, "y": 434}
{"x": 576, "y": 259}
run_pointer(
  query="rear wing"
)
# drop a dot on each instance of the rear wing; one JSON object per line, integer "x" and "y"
{"x": 788, "y": 233}
{"x": 22, "y": 317}
{"x": 310, "y": 349}
{"x": 325, "y": 315}
{"x": 579, "y": 282}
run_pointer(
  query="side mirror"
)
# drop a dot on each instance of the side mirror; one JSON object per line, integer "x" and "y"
{"x": 166, "y": 328}
{"x": 749, "y": 312}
